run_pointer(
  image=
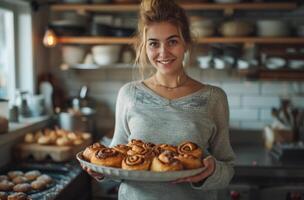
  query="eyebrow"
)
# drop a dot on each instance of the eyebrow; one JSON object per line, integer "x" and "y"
{"x": 170, "y": 37}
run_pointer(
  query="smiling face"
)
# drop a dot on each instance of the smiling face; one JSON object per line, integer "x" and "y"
{"x": 165, "y": 47}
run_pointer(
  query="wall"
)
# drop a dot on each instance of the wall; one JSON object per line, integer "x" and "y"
{"x": 250, "y": 101}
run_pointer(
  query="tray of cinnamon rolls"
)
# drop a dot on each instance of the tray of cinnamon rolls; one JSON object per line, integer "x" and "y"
{"x": 144, "y": 161}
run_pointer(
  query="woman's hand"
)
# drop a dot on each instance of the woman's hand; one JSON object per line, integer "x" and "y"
{"x": 209, "y": 163}
{"x": 95, "y": 175}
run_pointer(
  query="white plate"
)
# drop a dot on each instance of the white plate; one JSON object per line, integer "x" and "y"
{"x": 136, "y": 175}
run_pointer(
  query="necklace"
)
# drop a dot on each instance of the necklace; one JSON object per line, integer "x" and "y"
{"x": 168, "y": 87}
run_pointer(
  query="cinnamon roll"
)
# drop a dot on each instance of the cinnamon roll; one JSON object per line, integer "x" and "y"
{"x": 32, "y": 175}
{"x": 166, "y": 162}
{"x": 90, "y": 150}
{"x": 140, "y": 150}
{"x": 18, "y": 196}
{"x": 149, "y": 145}
{"x": 189, "y": 161}
{"x": 3, "y": 195}
{"x": 190, "y": 148}
{"x": 136, "y": 162}
{"x": 108, "y": 157}
{"x": 22, "y": 187}
{"x": 135, "y": 142}
{"x": 167, "y": 147}
{"x": 122, "y": 148}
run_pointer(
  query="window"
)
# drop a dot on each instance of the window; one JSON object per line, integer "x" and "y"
{"x": 16, "y": 59}
{"x": 7, "y": 66}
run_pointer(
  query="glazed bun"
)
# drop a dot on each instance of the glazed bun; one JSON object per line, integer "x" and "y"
{"x": 108, "y": 157}
{"x": 90, "y": 150}
{"x": 135, "y": 142}
{"x": 190, "y": 148}
{"x": 136, "y": 162}
{"x": 189, "y": 161}
{"x": 140, "y": 150}
{"x": 122, "y": 148}
{"x": 166, "y": 162}
{"x": 167, "y": 147}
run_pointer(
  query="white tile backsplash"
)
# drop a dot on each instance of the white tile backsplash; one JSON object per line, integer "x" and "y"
{"x": 243, "y": 114}
{"x": 265, "y": 114}
{"x": 242, "y": 88}
{"x": 234, "y": 101}
{"x": 260, "y": 101}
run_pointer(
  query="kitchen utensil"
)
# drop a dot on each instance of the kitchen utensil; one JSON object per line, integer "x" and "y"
{"x": 272, "y": 28}
{"x": 275, "y": 63}
{"x": 72, "y": 54}
{"x": 106, "y": 54}
{"x": 236, "y": 28}
{"x": 4, "y": 108}
{"x": 36, "y": 105}
{"x": 46, "y": 89}
{"x": 138, "y": 175}
{"x": 82, "y": 120}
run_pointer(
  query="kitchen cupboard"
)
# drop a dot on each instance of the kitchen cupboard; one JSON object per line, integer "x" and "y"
{"x": 228, "y": 10}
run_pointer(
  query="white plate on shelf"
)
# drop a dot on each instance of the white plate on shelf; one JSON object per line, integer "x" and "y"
{"x": 84, "y": 66}
{"x": 136, "y": 175}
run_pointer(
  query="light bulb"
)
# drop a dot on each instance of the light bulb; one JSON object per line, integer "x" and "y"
{"x": 49, "y": 39}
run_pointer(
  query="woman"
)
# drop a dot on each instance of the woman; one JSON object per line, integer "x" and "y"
{"x": 170, "y": 107}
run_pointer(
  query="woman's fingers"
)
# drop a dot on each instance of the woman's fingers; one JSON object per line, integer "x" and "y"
{"x": 209, "y": 164}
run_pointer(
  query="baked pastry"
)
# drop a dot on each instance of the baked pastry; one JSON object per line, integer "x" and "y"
{"x": 29, "y": 138}
{"x": 189, "y": 161}
{"x": 149, "y": 145}
{"x": 44, "y": 140}
{"x": 136, "y": 162}
{"x": 22, "y": 187}
{"x": 135, "y": 142}
{"x": 190, "y": 148}
{"x": 140, "y": 150}
{"x": 90, "y": 150}
{"x": 3, "y": 177}
{"x": 32, "y": 175}
{"x": 108, "y": 157}
{"x": 38, "y": 184}
{"x": 18, "y": 196}
{"x": 6, "y": 185}
{"x": 64, "y": 141}
{"x": 166, "y": 162}
{"x": 45, "y": 178}
{"x": 122, "y": 148}
{"x": 167, "y": 147}
{"x": 13, "y": 174}
{"x": 20, "y": 179}
{"x": 3, "y": 196}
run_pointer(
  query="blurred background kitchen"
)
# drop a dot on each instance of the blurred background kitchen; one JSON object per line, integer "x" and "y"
{"x": 62, "y": 63}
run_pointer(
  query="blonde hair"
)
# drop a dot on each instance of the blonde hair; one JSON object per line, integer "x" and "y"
{"x": 155, "y": 11}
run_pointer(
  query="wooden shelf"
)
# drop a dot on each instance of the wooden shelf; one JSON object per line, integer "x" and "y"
{"x": 96, "y": 40}
{"x": 128, "y": 40}
{"x": 279, "y": 74}
{"x": 187, "y": 6}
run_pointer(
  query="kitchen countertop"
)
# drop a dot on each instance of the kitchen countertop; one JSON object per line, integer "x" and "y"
{"x": 255, "y": 164}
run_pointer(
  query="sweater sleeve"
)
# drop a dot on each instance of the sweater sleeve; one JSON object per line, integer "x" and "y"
{"x": 220, "y": 147}
{"x": 122, "y": 131}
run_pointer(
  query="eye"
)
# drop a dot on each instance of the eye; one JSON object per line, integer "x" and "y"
{"x": 172, "y": 42}
{"x": 153, "y": 44}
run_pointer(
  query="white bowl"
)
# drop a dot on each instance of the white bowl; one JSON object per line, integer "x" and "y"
{"x": 272, "y": 28}
{"x": 106, "y": 54}
{"x": 296, "y": 64}
{"x": 204, "y": 61}
{"x": 275, "y": 63}
{"x": 72, "y": 54}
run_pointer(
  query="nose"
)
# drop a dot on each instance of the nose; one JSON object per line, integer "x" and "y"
{"x": 163, "y": 50}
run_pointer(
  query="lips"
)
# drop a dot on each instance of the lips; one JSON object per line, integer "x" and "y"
{"x": 165, "y": 62}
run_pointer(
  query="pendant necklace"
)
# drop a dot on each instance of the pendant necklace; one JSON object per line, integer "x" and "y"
{"x": 168, "y": 87}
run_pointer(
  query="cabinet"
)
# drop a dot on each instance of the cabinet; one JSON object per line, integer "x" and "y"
{"x": 228, "y": 9}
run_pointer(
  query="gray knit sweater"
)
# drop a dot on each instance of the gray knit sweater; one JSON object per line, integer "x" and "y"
{"x": 201, "y": 117}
